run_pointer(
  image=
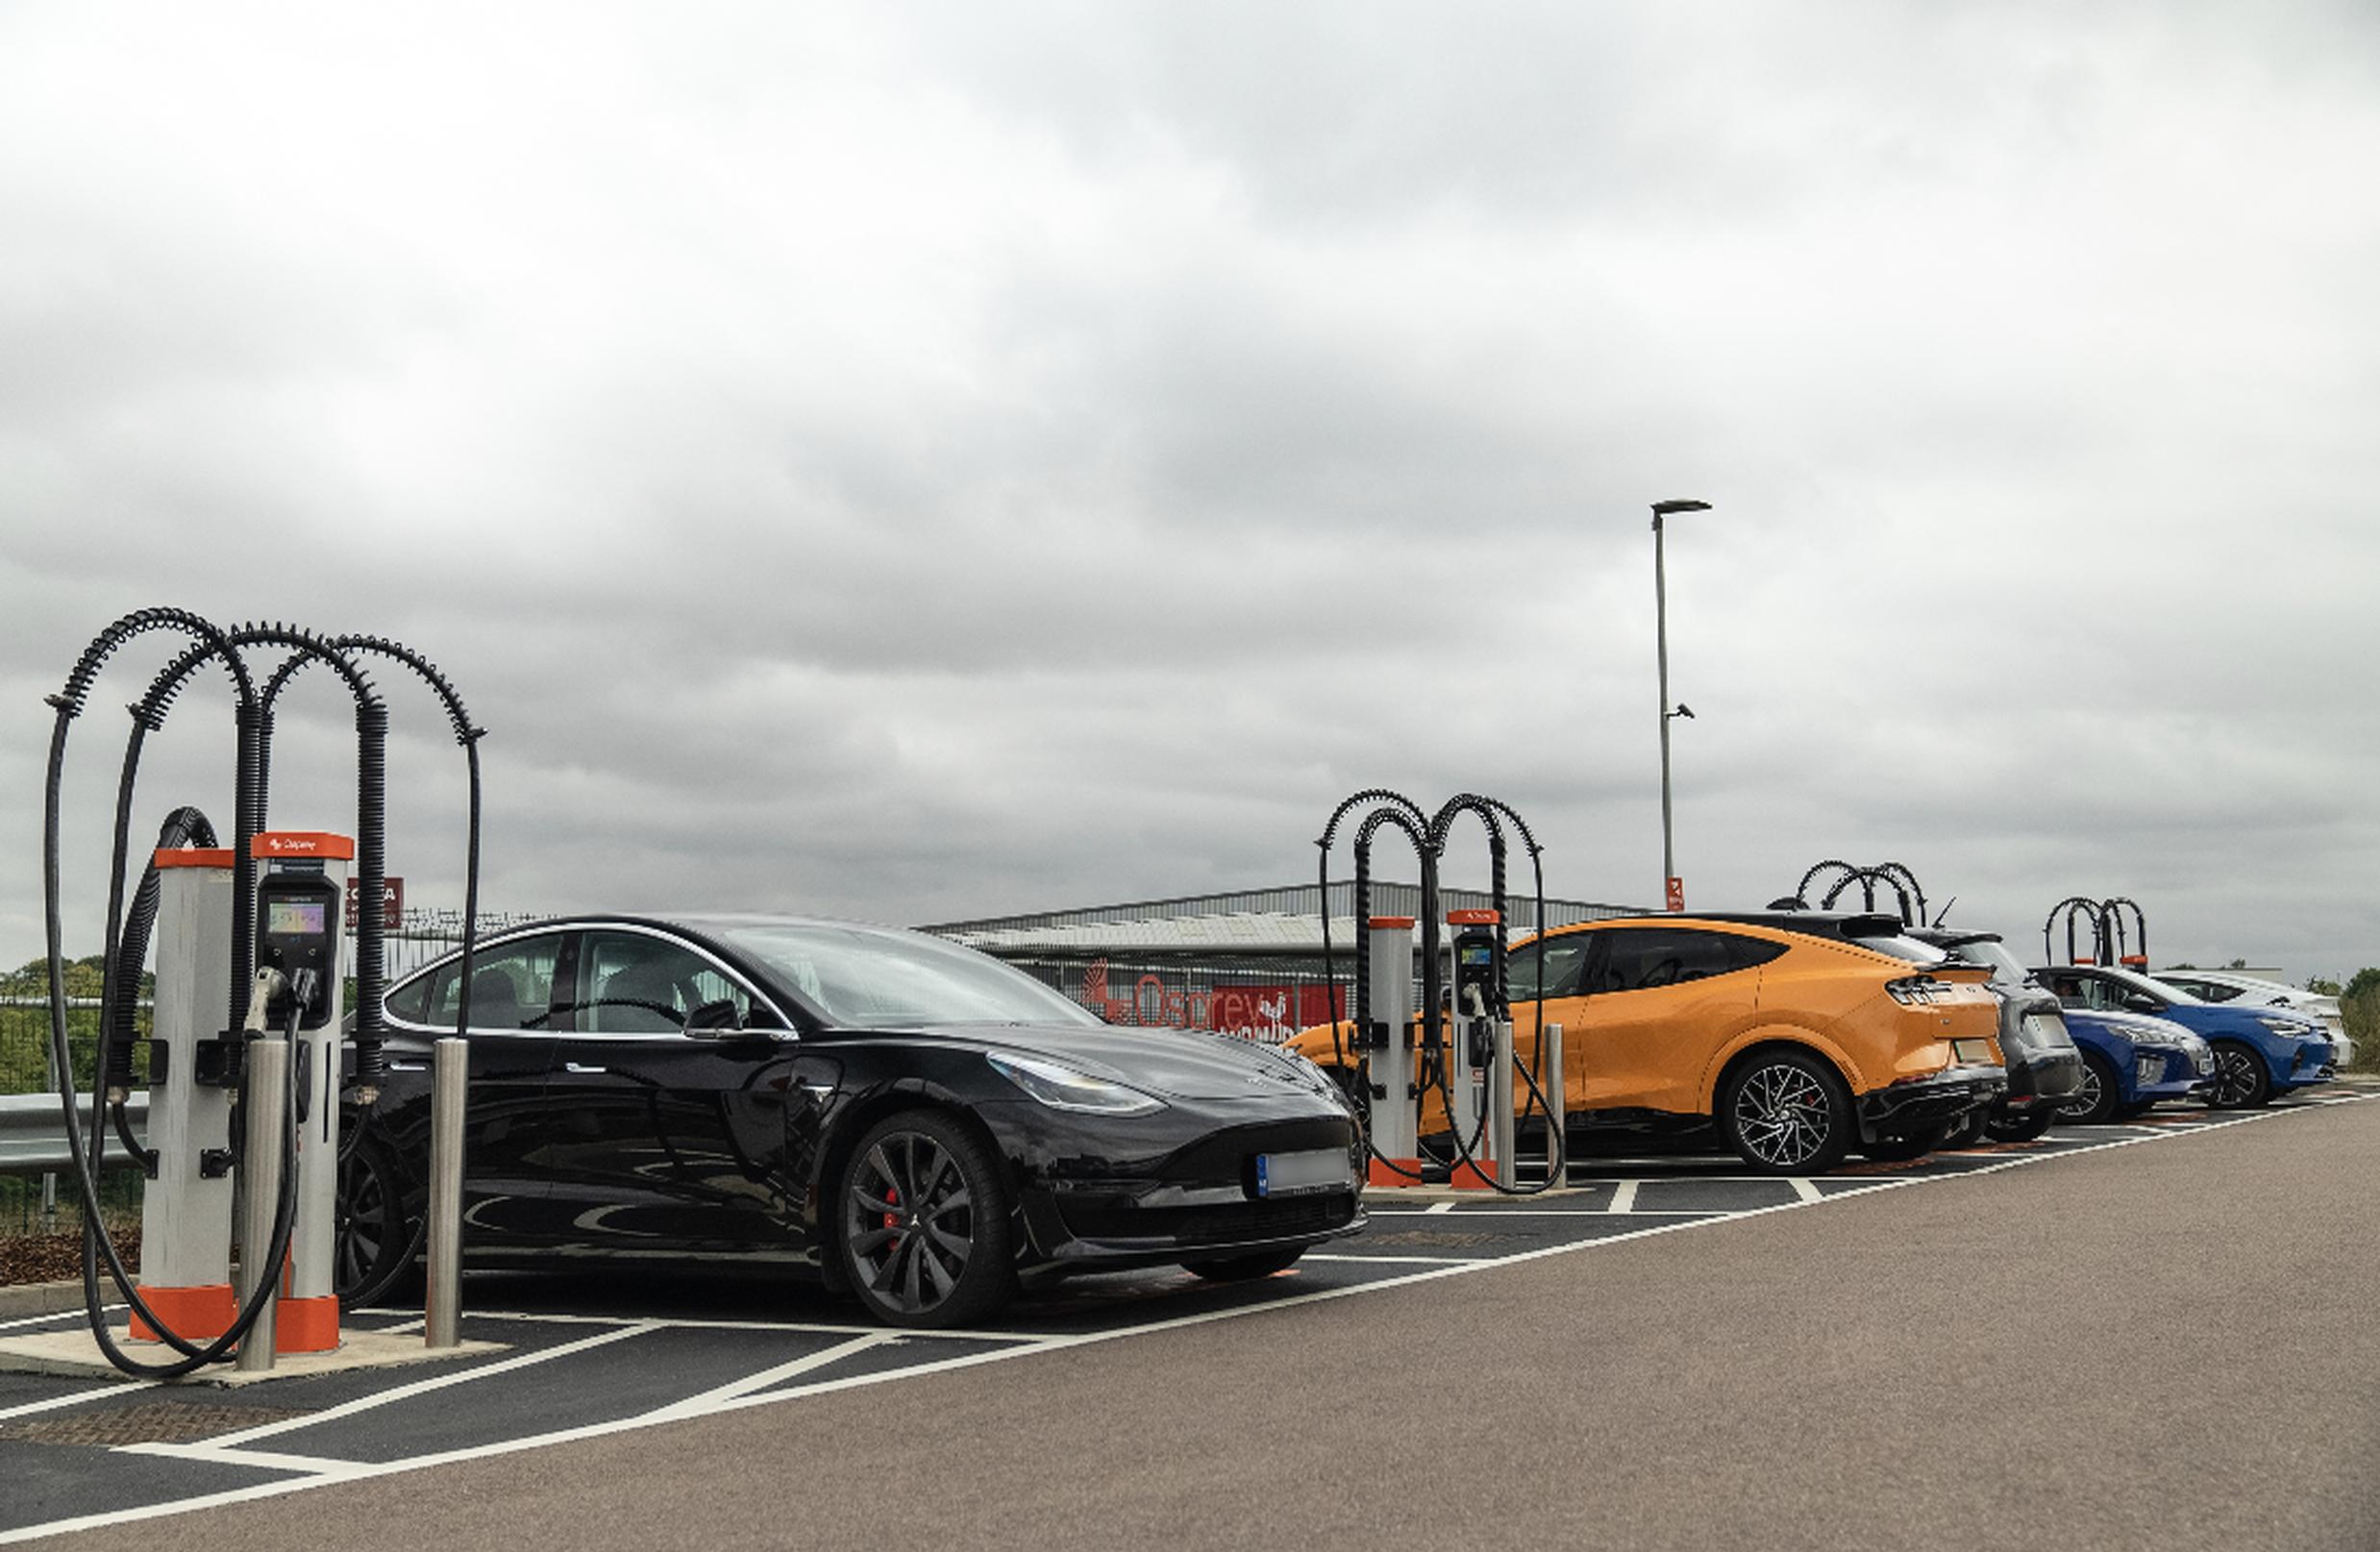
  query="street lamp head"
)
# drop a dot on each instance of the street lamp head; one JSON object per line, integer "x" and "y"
{"x": 1672, "y": 508}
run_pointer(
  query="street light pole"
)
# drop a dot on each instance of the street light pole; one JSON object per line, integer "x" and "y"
{"x": 1674, "y": 895}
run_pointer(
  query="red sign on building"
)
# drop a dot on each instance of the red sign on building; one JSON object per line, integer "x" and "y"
{"x": 391, "y": 904}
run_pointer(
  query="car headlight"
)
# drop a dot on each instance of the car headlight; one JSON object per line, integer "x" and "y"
{"x": 2285, "y": 1025}
{"x": 1062, "y": 1088}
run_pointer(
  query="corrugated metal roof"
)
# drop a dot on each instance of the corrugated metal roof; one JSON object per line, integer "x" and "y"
{"x": 1304, "y": 901}
{"x": 1239, "y": 932}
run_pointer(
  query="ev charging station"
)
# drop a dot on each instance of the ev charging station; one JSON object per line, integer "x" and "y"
{"x": 2111, "y": 944}
{"x": 1394, "y": 1091}
{"x": 1479, "y": 1051}
{"x": 248, "y": 1071}
{"x": 1459, "y": 1042}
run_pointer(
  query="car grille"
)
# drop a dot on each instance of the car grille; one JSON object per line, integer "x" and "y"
{"x": 1230, "y": 1222}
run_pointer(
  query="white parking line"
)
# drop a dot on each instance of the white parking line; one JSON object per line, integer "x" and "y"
{"x": 55, "y": 1315}
{"x": 1804, "y": 1188}
{"x": 1623, "y": 1196}
{"x": 1418, "y": 1261}
{"x": 322, "y": 1471}
{"x": 406, "y": 1392}
{"x": 1490, "y": 1210}
{"x": 821, "y": 1328}
{"x": 695, "y": 1406}
{"x": 68, "y": 1399}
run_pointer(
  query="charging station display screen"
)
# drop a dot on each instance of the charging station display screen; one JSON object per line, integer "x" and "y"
{"x": 294, "y": 916}
{"x": 1481, "y": 955}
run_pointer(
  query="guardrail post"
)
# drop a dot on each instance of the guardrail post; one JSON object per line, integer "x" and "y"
{"x": 441, "y": 1309}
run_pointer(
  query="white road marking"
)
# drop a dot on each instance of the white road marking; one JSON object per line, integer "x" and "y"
{"x": 56, "y": 1314}
{"x": 822, "y": 1328}
{"x": 1561, "y": 1212}
{"x": 695, "y": 1406}
{"x": 1804, "y": 1188}
{"x": 406, "y": 1392}
{"x": 69, "y": 1399}
{"x": 325, "y": 1471}
{"x": 1418, "y": 1261}
{"x": 1441, "y": 1207}
{"x": 314, "y": 1469}
{"x": 1623, "y": 1196}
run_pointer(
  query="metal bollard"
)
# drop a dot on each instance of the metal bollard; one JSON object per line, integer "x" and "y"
{"x": 441, "y": 1310}
{"x": 1558, "y": 1097}
{"x": 260, "y": 1185}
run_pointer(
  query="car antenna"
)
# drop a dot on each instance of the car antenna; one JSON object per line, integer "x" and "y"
{"x": 1938, "y": 916}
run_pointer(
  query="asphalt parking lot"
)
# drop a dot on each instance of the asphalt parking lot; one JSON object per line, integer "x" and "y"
{"x": 1926, "y": 1306}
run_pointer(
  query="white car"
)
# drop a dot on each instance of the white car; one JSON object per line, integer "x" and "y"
{"x": 2251, "y": 991}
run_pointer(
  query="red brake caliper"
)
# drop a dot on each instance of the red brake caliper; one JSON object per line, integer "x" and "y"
{"x": 892, "y": 1194}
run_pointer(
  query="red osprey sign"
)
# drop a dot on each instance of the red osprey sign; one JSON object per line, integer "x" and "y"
{"x": 1270, "y": 1013}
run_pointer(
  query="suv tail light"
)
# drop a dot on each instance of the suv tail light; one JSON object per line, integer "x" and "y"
{"x": 1916, "y": 991}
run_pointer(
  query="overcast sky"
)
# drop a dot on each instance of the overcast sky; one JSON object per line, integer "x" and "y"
{"x": 924, "y": 462}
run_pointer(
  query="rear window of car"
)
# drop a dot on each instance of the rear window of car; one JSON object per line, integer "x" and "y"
{"x": 1901, "y": 948}
{"x": 1639, "y": 959}
{"x": 2007, "y": 969}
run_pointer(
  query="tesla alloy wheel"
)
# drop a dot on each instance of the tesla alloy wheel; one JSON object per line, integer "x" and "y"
{"x": 1786, "y": 1114}
{"x": 373, "y": 1241}
{"x": 2241, "y": 1082}
{"x": 923, "y": 1220}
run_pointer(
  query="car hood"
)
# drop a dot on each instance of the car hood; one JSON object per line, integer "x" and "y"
{"x": 1174, "y": 1063}
{"x": 2138, "y": 1027}
{"x": 2212, "y": 1018}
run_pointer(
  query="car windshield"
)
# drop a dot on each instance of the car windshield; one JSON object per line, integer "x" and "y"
{"x": 880, "y": 977}
{"x": 2132, "y": 980}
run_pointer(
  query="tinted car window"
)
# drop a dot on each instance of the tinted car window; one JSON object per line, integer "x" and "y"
{"x": 2007, "y": 969}
{"x": 635, "y": 983}
{"x": 511, "y": 986}
{"x": 1901, "y": 948}
{"x": 1565, "y": 959}
{"x": 1639, "y": 959}
{"x": 2087, "y": 992}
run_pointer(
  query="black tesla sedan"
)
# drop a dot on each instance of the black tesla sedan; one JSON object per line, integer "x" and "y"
{"x": 925, "y": 1127}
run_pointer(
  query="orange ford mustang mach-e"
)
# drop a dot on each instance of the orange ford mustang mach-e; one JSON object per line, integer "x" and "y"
{"x": 1800, "y": 1035}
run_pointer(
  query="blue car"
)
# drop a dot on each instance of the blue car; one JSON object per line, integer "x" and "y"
{"x": 2259, "y": 1051}
{"x": 2131, "y": 1061}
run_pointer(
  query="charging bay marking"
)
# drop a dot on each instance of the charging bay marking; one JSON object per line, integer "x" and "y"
{"x": 576, "y": 1372}
{"x": 146, "y": 1422}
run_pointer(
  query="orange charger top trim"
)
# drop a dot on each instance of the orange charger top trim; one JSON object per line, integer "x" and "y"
{"x": 302, "y": 844}
{"x": 193, "y": 856}
{"x": 1473, "y": 918}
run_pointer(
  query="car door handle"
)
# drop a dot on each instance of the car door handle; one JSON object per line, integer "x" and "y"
{"x": 574, "y": 1066}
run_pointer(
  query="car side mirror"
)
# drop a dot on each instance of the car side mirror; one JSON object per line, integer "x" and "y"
{"x": 714, "y": 1020}
{"x": 2142, "y": 1002}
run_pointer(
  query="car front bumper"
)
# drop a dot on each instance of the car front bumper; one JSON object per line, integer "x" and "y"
{"x": 1189, "y": 1193}
{"x": 2313, "y": 1061}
